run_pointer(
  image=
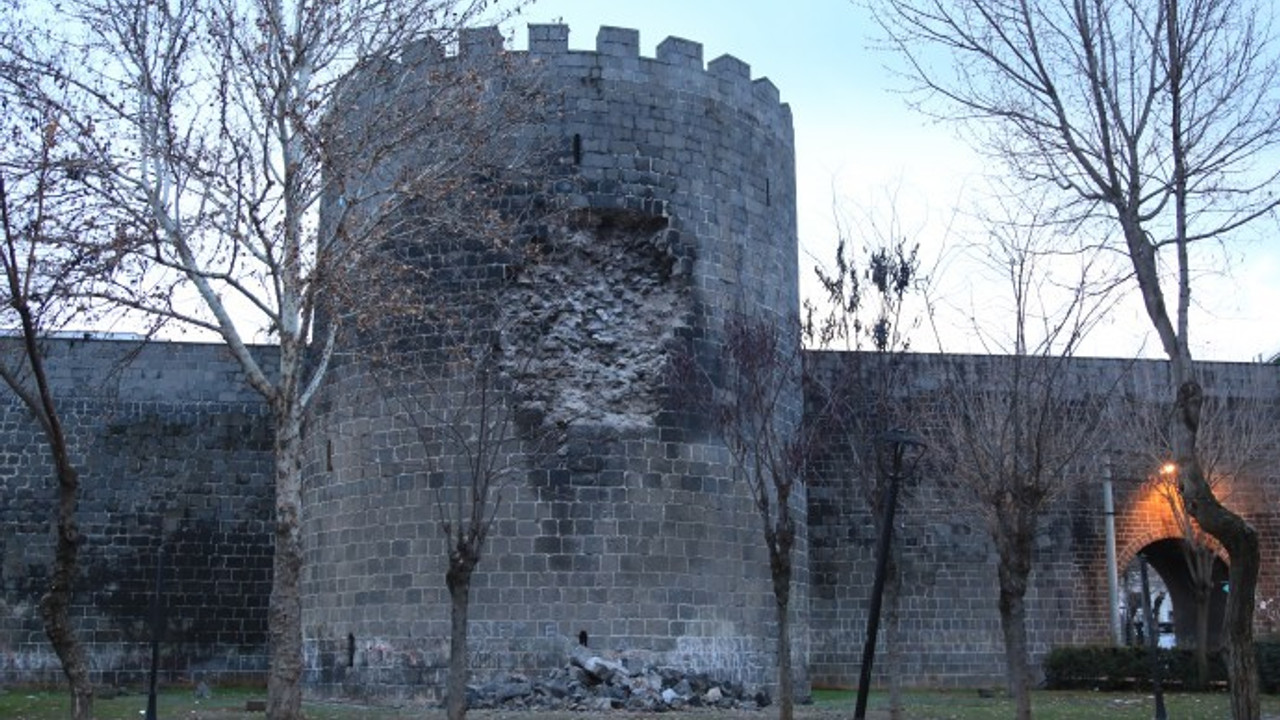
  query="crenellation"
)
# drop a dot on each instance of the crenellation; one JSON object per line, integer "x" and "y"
{"x": 679, "y": 52}
{"x": 616, "y": 42}
{"x": 767, "y": 93}
{"x": 480, "y": 42}
{"x": 548, "y": 39}
{"x": 730, "y": 68}
{"x": 422, "y": 53}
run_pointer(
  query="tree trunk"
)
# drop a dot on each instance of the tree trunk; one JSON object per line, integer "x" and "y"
{"x": 1013, "y": 618}
{"x": 56, "y": 603}
{"x": 892, "y": 634}
{"x": 284, "y": 689}
{"x": 1242, "y": 662}
{"x": 1202, "y": 595}
{"x": 458, "y": 579}
{"x": 1238, "y": 538}
{"x": 786, "y": 688}
{"x": 1014, "y": 569}
{"x": 780, "y": 545}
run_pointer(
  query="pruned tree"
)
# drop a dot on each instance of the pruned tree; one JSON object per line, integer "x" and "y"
{"x": 217, "y": 130}
{"x": 1017, "y": 440}
{"x": 453, "y": 359}
{"x": 754, "y": 404}
{"x": 461, "y": 402}
{"x": 34, "y": 220}
{"x": 1235, "y": 434}
{"x": 865, "y": 305}
{"x": 1154, "y": 123}
{"x": 768, "y": 450}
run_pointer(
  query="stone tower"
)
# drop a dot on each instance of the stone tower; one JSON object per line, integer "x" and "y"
{"x": 622, "y": 525}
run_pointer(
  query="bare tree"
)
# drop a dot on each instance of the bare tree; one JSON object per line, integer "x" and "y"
{"x": 864, "y": 305}
{"x": 1233, "y": 439}
{"x": 1017, "y": 439}
{"x": 754, "y": 405}
{"x": 33, "y": 221}
{"x": 218, "y": 129}
{"x": 452, "y": 357}
{"x": 865, "y": 289}
{"x": 768, "y": 450}
{"x": 460, "y": 403}
{"x": 1154, "y": 120}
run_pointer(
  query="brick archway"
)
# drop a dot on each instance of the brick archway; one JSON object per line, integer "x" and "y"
{"x": 1127, "y": 553}
{"x": 1167, "y": 560}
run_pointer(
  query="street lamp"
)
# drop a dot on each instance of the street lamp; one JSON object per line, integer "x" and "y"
{"x": 898, "y": 452}
{"x": 168, "y": 525}
{"x": 1153, "y": 635}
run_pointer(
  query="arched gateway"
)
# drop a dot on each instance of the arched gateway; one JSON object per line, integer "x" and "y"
{"x": 1182, "y": 586}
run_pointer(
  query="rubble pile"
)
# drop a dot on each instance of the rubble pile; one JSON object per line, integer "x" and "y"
{"x": 593, "y": 683}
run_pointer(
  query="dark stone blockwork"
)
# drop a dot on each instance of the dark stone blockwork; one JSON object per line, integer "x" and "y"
{"x": 630, "y": 531}
{"x": 170, "y": 442}
{"x": 677, "y": 179}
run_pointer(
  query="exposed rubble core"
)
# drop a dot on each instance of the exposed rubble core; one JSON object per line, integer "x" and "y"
{"x": 589, "y": 321}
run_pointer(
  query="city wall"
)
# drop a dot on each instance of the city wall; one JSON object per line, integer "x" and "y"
{"x": 948, "y": 627}
{"x": 673, "y": 187}
{"x": 174, "y": 454}
{"x": 622, "y": 526}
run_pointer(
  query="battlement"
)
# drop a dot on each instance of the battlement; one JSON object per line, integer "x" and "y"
{"x": 677, "y": 63}
{"x": 619, "y": 48}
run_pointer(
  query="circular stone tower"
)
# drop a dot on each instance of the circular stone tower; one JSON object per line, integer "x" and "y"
{"x": 620, "y": 523}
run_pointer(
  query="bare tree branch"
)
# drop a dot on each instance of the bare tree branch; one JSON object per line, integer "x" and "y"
{"x": 1156, "y": 121}
{"x": 249, "y": 154}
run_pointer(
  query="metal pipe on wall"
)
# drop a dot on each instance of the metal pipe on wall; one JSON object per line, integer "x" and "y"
{"x": 1113, "y": 579}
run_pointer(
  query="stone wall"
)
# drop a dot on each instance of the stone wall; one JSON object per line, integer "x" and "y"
{"x": 637, "y": 541}
{"x": 673, "y": 203}
{"x": 620, "y": 523}
{"x": 172, "y": 447}
{"x": 950, "y": 630}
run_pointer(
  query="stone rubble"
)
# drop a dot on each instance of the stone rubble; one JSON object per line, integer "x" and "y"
{"x": 590, "y": 325}
{"x": 593, "y": 683}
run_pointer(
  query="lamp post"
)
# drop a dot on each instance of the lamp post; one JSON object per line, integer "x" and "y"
{"x": 168, "y": 524}
{"x": 1113, "y": 576}
{"x": 904, "y": 450}
{"x": 1153, "y": 635}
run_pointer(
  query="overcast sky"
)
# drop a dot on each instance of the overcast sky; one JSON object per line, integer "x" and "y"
{"x": 859, "y": 146}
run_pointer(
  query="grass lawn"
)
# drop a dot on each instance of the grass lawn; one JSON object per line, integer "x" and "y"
{"x": 1045, "y": 705}
{"x": 175, "y": 704}
{"x": 229, "y": 704}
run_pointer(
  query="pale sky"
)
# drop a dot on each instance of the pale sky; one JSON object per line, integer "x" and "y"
{"x": 859, "y": 145}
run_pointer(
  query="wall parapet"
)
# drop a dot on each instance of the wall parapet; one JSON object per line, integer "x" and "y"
{"x": 677, "y": 63}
